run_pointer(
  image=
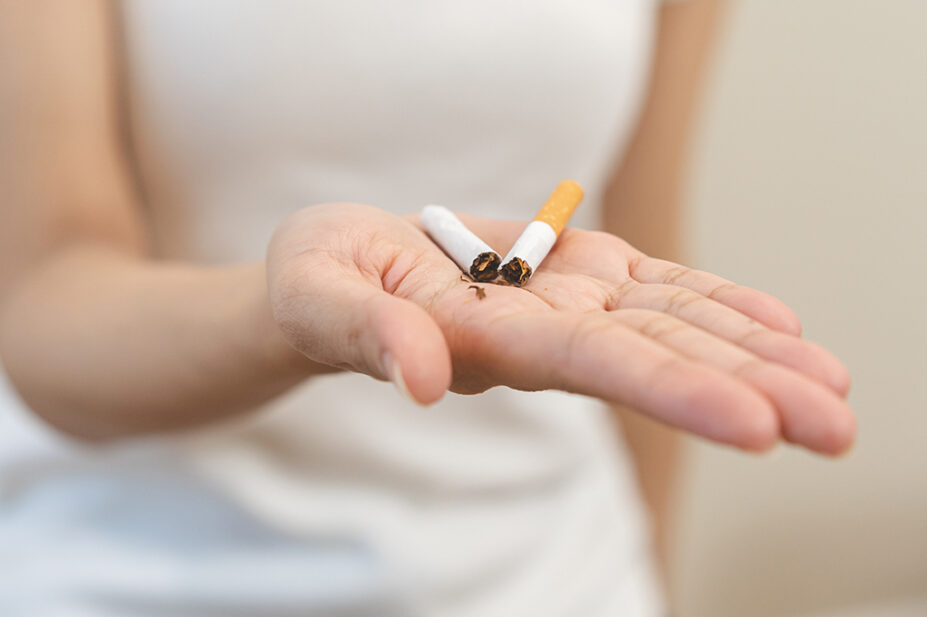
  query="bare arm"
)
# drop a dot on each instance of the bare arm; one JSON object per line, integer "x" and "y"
{"x": 100, "y": 339}
{"x": 103, "y": 341}
{"x": 642, "y": 206}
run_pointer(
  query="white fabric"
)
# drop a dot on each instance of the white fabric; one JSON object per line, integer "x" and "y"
{"x": 340, "y": 497}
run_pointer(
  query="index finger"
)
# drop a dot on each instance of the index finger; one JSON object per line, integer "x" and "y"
{"x": 766, "y": 309}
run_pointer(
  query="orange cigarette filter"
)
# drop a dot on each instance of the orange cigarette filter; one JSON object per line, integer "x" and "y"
{"x": 560, "y": 206}
{"x": 541, "y": 234}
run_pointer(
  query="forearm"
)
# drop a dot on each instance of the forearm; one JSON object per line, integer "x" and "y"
{"x": 642, "y": 202}
{"x": 642, "y": 205}
{"x": 102, "y": 345}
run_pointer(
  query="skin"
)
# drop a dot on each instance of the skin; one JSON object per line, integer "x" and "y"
{"x": 718, "y": 360}
{"x": 347, "y": 284}
{"x": 103, "y": 341}
{"x": 642, "y": 205}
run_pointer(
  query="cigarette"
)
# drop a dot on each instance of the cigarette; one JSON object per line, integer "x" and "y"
{"x": 539, "y": 236}
{"x": 468, "y": 251}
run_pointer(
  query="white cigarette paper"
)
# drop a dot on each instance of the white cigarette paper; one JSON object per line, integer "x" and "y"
{"x": 461, "y": 244}
{"x": 533, "y": 244}
{"x": 539, "y": 237}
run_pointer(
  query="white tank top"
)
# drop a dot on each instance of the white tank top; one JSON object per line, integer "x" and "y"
{"x": 340, "y": 498}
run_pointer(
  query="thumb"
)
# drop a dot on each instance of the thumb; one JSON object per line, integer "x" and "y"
{"x": 343, "y": 319}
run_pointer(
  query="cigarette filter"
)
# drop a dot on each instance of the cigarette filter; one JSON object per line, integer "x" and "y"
{"x": 539, "y": 236}
{"x": 468, "y": 251}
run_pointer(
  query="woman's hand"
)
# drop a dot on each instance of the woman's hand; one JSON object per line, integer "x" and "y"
{"x": 356, "y": 287}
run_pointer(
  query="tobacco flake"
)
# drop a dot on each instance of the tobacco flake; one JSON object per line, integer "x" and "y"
{"x": 480, "y": 292}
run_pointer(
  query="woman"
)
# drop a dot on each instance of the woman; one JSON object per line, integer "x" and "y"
{"x": 175, "y": 307}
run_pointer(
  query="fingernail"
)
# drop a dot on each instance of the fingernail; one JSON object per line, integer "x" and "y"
{"x": 394, "y": 372}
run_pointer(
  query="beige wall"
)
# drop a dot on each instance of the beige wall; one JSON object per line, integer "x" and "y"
{"x": 811, "y": 182}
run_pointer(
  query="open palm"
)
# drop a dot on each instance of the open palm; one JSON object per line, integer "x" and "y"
{"x": 356, "y": 287}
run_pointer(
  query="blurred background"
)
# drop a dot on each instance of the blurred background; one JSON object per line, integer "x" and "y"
{"x": 813, "y": 139}
{"x": 813, "y": 135}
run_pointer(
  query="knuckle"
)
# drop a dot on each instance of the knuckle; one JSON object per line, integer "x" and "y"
{"x": 721, "y": 289}
{"x": 752, "y": 332}
{"x": 615, "y": 296}
{"x": 748, "y": 367}
{"x": 660, "y": 327}
{"x": 680, "y": 300}
{"x": 675, "y": 273}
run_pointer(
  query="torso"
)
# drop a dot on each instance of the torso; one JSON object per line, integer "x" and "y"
{"x": 340, "y": 494}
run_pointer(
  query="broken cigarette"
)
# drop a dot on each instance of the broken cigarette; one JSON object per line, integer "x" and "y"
{"x": 539, "y": 236}
{"x": 468, "y": 251}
